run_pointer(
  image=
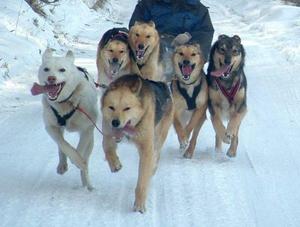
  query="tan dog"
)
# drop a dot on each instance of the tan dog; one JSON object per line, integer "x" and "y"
{"x": 190, "y": 94}
{"x": 141, "y": 110}
{"x": 113, "y": 58}
{"x": 227, "y": 90}
{"x": 145, "y": 45}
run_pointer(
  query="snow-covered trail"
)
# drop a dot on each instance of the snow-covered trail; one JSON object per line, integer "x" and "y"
{"x": 258, "y": 188}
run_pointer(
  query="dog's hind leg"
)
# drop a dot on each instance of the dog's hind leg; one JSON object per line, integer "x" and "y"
{"x": 196, "y": 121}
{"x": 109, "y": 147}
{"x": 85, "y": 148}
{"x": 63, "y": 164}
{"x": 65, "y": 147}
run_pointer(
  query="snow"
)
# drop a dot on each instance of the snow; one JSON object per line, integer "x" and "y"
{"x": 260, "y": 187}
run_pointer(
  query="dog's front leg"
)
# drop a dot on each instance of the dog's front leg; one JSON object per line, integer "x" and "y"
{"x": 146, "y": 168}
{"x": 84, "y": 148}
{"x": 63, "y": 164}
{"x": 109, "y": 147}
{"x": 219, "y": 129}
{"x": 195, "y": 124}
{"x": 65, "y": 147}
{"x": 232, "y": 132}
{"x": 182, "y": 138}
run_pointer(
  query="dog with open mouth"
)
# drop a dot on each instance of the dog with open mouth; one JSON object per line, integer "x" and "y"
{"x": 66, "y": 90}
{"x": 142, "y": 111}
{"x": 113, "y": 56}
{"x": 190, "y": 94}
{"x": 227, "y": 90}
{"x": 144, "y": 42}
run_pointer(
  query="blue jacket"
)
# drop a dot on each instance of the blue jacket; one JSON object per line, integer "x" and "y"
{"x": 170, "y": 21}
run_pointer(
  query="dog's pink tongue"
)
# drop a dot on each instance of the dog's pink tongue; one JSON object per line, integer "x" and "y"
{"x": 129, "y": 129}
{"x": 38, "y": 89}
{"x": 187, "y": 70}
{"x": 221, "y": 71}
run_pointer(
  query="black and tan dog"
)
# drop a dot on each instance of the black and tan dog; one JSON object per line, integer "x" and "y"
{"x": 113, "y": 56}
{"x": 141, "y": 110}
{"x": 227, "y": 90}
{"x": 190, "y": 94}
{"x": 144, "y": 42}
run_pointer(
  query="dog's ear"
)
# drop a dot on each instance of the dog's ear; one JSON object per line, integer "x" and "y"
{"x": 70, "y": 56}
{"x": 197, "y": 45}
{"x": 137, "y": 23}
{"x": 237, "y": 39}
{"x": 223, "y": 36}
{"x": 151, "y": 23}
{"x": 48, "y": 53}
{"x": 136, "y": 85}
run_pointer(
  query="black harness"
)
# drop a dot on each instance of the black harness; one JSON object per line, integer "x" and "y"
{"x": 162, "y": 95}
{"x": 190, "y": 101}
{"x": 62, "y": 120}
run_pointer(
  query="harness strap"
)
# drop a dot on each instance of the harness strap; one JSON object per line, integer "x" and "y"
{"x": 232, "y": 92}
{"x": 62, "y": 120}
{"x": 140, "y": 66}
{"x": 190, "y": 101}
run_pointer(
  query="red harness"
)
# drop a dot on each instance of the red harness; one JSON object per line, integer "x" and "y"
{"x": 229, "y": 94}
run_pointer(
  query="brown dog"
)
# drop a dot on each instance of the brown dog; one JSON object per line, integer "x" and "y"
{"x": 190, "y": 94}
{"x": 144, "y": 42}
{"x": 141, "y": 110}
{"x": 113, "y": 58}
{"x": 227, "y": 90}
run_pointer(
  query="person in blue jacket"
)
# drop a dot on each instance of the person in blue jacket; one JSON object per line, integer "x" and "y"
{"x": 177, "y": 21}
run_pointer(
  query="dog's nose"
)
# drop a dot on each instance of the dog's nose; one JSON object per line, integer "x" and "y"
{"x": 186, "y": 62}
{"x": 141, "y": 46}
{"x": 115, "y": 123}
{"x": 115, "y": 60}
{"x": 51, "y": 79}
{"x": 227, "y": 61}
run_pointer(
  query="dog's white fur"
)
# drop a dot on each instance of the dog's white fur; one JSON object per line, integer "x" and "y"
{"x": 79, "y": 91}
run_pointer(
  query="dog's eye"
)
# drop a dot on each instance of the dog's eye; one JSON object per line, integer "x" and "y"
{"x": 62, "y": 70}
{"x": 148, "y": 36}
{"x": 112, "y": 108}
{"x": 121, "y": 51}
{"x": 180, "y": 53}
{"x": 110, "y": 50}
{"x": 126, "y": 109}
{"x": 235, "y": 52}
{"x": 222, "y": 49}
{"x": 46, "y": 69}
{"x": 193, "y": 54}
{"x": 137, "y": 34}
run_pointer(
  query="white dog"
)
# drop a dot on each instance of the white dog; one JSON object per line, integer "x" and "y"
{"x": 68, "y": 92}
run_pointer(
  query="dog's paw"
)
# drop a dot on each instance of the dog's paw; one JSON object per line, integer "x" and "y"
{"x": 62, "y": 168}
{"x": 139, "y": 207}
{"x": 183, "y": 145}
{"x": 115, "y": 167}
{"x": 227, "y": 137}
{"x": 188, "y": 154}
{"x": 90, "y": 188}
{"x": 230, "y": 153}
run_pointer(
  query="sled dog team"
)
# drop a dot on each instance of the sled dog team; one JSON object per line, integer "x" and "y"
{"x": 139, "y": 103}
